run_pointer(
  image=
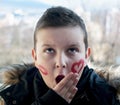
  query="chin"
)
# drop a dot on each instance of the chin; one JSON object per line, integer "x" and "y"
{"x": 51, "y": 85}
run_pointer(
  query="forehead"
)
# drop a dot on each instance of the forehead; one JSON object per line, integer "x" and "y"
{"x": 60, "y": 35}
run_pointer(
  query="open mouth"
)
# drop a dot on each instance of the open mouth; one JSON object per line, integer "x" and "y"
{"x": 59, "y": 78}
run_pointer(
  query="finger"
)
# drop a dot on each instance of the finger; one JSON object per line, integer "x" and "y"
{"x": 63, "y": 82}
{"x": 74, "y": 91}
{"x": 73, "y": 86}
{"x": 63, "y": 87}
{"x": 66, "y": 88}
{"x": 80, "y": 74}
{"x": 70, "y": 83}
{"x": 76, "y": 79}
{"x": 70, "y": 96}
{"x": 70, "y": 88}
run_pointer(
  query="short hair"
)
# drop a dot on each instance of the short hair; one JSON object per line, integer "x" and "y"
{"x": 59, "y": 17}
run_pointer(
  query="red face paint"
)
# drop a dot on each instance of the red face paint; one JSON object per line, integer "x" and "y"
{"x": 42, "y": 69}
{"x": 77, "y": 66}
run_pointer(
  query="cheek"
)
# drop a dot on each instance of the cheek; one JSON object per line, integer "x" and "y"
{"x": 42, "y": 69}
{"x": 77, "y": 66}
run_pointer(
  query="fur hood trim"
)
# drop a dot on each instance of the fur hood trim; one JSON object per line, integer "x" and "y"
{"x": 11, "y": 74}
{"x": 111, "y": 74}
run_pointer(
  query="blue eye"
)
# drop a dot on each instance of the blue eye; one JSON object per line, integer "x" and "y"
{"x": 49, "y": 50}
{"x": 73, "y": 50}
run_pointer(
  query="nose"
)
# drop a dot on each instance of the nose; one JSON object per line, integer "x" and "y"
{"x": 60, "y": 66}
{"x": 61, "y": 61}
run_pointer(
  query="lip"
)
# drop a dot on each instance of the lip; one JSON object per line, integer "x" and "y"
{"x": 59, "y": 78}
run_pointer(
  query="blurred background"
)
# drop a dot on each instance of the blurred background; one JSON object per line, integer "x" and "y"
{"x": 18, "y": 19}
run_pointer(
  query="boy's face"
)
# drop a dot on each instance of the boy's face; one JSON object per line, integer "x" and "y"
{"x": 57, "y": 50}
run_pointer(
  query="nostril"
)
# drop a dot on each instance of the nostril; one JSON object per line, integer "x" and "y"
{"x": 63, "y": 66}
{"x": 60, "y": 66}
{"x": 57, "y": 66}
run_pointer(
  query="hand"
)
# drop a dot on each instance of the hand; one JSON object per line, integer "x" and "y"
{"x": 66, "y": 88}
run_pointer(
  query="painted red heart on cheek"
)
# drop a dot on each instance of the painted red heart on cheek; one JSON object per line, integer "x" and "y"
{"x": 77, "y": 66}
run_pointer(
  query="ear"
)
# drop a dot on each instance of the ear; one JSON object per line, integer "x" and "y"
{"x": 88, "y": 53}
{"x": 34, "y": 54}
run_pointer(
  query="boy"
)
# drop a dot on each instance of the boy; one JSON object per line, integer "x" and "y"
{"x": 61, "y": 75}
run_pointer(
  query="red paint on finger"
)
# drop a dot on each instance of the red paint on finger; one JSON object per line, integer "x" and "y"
{"x": 42, "y": 69}
{"x": 77, "y": 66}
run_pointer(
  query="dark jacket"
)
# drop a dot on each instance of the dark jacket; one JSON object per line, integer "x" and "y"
{"x": 31, "y": 90}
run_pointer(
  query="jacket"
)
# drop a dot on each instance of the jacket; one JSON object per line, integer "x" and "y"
{"x": 31, "y": 90}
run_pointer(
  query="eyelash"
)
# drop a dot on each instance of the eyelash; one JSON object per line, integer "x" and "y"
{"x": 70, "y": 50}
{"x": 73, "y": 50}
{"x": 49, "y": 50}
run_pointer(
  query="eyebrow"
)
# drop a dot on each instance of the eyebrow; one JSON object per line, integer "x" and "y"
{"x": 70, "y": 45}
{"x": 47, "y": 45}
{"x": 74, "y": 44}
